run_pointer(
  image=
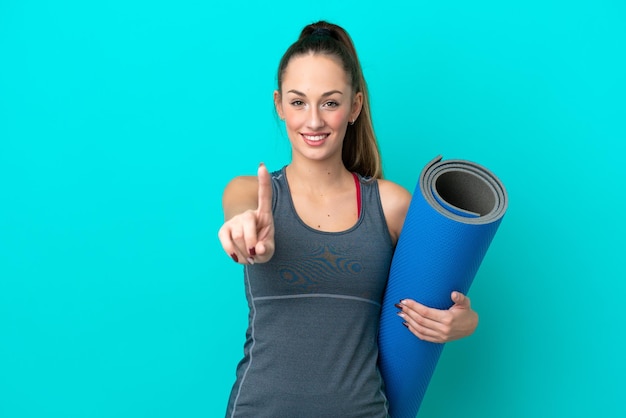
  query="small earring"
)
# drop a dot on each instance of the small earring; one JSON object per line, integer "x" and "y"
{"x": 351, "y": 122}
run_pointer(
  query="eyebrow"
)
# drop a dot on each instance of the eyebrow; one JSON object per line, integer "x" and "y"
{"x": 328, "y": 93}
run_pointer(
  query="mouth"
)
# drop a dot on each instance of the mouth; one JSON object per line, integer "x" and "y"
{"x": 314, "y": 139}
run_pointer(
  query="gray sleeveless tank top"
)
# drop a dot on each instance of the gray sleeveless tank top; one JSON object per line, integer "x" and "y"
{"x": 311, "y": 345}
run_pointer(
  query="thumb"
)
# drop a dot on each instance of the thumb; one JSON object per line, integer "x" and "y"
{"x": 265, "y": 190}
{"x": 460, "y": 300}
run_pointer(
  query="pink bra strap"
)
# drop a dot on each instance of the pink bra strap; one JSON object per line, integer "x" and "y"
{"x": 358, "y": 193}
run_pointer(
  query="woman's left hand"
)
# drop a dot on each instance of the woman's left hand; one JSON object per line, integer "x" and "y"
{"x": 436, "y": 325}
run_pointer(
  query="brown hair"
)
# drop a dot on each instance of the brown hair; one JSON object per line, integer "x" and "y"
{"x": 360, "y": 149}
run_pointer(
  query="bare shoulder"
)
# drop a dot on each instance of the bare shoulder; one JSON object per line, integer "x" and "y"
{"x": 395, "y": 200}
{"x": 241, "y": 184}
{"x": 240, "y": 194}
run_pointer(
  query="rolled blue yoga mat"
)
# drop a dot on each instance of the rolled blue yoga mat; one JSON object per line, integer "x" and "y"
{"x": 454, "y": 213}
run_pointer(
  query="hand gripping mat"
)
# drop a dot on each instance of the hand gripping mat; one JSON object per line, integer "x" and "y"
{"x": 454, "y": 213}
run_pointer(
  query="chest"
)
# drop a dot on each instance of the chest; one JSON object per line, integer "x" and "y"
{"x": 308, "y": 262}
{"x": 354, "y": 262}
{"x": 330, "y": 213}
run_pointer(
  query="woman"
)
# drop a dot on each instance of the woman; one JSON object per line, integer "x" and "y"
{"x": 316, "y": 240}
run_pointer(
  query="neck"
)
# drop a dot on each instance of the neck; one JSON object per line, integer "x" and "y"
{"x": 318, "y": 174}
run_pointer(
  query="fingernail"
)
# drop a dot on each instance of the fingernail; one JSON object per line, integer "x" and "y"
{"x": 400, "y": 314}
{"x": 234, "y": 257}
{"x": 398, "y": 305}
{"x": 406, "y": 324}
{"x": 250, "y": 260}
{"x": 252, "y": 251}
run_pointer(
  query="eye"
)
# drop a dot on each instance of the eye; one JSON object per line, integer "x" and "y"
{"x": 297, "y": 103}
{"x": 332, "y": 104}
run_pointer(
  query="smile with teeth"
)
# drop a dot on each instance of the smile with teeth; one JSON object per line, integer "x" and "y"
{"x": 314, "y": 138}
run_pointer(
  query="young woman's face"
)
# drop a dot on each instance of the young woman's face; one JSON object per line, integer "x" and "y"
{"x": 317, "y": 102}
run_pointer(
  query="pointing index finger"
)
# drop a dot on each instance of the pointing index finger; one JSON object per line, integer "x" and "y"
{"x": 265, "y": 190}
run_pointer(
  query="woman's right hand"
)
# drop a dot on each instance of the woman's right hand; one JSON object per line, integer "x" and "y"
{"x": 248, "y": 237}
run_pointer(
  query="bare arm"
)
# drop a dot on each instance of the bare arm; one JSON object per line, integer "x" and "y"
{"x": 240, "y": 195}
{"x": 395, "y": 200}
{"x": 247, "y": 234}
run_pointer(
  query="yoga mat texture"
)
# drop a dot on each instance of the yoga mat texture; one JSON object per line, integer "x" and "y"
{"x": 454, "y": 213}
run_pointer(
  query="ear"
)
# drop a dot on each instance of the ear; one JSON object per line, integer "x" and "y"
{"x": 357, "y": 105}
{"x": 278, "y": 104}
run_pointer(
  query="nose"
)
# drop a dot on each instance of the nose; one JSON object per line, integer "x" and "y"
{"x": 315, "y": 120}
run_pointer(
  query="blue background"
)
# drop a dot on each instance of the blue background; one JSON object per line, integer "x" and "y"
{"x": 121, "y": 122}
